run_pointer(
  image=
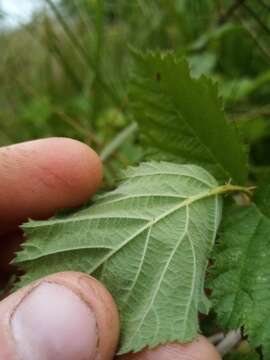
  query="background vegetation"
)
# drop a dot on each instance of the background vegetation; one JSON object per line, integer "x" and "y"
{"x": 66, "y": 72}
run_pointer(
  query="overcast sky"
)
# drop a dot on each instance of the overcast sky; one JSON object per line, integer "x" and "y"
{"x": 18, "y": 10}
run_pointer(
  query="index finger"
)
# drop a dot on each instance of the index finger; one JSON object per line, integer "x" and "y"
{"x": 40, "y": 177}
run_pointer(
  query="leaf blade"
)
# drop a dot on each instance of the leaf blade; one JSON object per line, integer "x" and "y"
{"x": 182, "y": 118}
{"x": 148, "y": 241}
{"x": 241, "y": 277}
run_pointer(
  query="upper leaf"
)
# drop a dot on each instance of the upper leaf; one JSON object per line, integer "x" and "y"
{"x": 148, "y": 242}
{"x": 182, "y": 118}
{"x": 241, "y": 276}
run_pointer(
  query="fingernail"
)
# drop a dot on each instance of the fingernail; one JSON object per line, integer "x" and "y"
{"x": 54, "y": 323}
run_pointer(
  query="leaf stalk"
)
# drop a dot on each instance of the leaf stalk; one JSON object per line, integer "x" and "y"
{"x": 228, "y": 188}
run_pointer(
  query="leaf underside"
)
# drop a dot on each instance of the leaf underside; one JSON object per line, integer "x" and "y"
{"x": 181, "y": 119}
{"x": 148, "y": 242}
{"x": 241, "y": 276}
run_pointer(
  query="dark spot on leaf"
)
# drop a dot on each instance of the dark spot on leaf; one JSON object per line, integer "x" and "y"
{"x": 158, "y": 76}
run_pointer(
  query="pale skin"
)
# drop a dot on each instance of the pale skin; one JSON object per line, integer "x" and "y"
{"x": 70, "y": 315}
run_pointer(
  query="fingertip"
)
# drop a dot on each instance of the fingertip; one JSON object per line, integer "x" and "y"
{"x": 203, "y": 349}
{"x": 104, "y": 307}
{"x": 200, "y": 349}
{"x": 76, "y": 166}
{"x": 64, "y": 316}
{"x": 43, "y": 176}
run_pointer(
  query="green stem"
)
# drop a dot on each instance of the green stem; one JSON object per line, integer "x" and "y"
{"x": 227, "y": 188}
{"x": 118, "y": 141}
{"x": 219, "y": 190}
{"x": 100, "y": 40}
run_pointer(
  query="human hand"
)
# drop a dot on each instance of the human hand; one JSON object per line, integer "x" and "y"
{"x": 66, "y": 316}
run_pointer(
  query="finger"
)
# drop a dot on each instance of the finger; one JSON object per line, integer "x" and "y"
{"x": 201, "y": 349}
{"x": 39, "y": 177}
{"x": 66, "y": 316}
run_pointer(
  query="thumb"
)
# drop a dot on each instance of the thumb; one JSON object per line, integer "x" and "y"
{"x": 200, "y": 349}
{"x": 66, "y": 316}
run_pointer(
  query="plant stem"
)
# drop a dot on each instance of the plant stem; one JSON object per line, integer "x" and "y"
{"x": 223, "y": 189}
{"x": 98, "y": 57}
{"x": 229, "y": 342}
{"x": 86, "y": 132}
{"x": 230, "y": 12}
{"x": 118, "y": 141}
{"x": 265, "y": 51}
{"x": 216, "y": 338}
{"x": 257, "y": 18}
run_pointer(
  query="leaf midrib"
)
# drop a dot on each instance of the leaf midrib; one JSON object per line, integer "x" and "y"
{"x": 186, "y": 202}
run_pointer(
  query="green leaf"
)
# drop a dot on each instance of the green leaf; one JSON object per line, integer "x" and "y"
{"x": 182, "y": 118}
{"x": 148, "y": 241}
{"x": 241, "y": 276}
{"x": 239, "y": 356}
{"x": 262, "y": 199}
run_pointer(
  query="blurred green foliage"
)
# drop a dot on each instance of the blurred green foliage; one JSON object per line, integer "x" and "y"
{"x": 66, "y": 73}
